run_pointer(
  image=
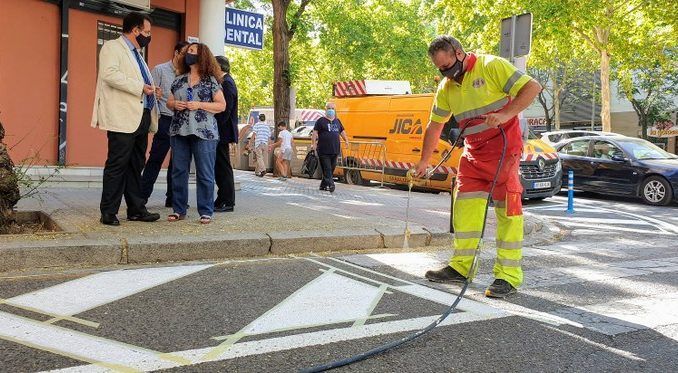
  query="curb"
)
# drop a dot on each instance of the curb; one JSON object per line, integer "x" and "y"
{"x": 303, "y": 242}
{"x": 105, "y": 251}
{"x": 171, "y": 249}
{"x": 82, "y": 252}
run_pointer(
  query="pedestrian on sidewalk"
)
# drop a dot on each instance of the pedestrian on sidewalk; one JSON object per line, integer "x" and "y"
{"x": 285, "y": 143}
{"x": 228, "y": 134}
{"x": 483, "y": 92}
{"x": 325, "y": 140}
{"x": 261, "y": 138}
{"x": 125, "y": 106}
{"x": 163, "y": 75}
{"x": 196, "y": 96}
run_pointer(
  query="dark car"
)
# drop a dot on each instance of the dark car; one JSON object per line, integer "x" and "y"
{"x": 621, "y": 165}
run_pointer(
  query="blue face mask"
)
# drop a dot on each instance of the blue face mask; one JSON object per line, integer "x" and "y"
{"x": 330, "y": 113}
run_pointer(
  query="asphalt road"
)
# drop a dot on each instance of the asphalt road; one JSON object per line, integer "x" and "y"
{"x": 602, "y": 299}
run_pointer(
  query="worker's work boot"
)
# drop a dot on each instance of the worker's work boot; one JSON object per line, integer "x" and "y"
{"x": 500, "y": 289}
{"x": 447, "y": 274}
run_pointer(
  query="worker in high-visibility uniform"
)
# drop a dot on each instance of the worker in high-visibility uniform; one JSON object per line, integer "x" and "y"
{"x": 483, "y": 92}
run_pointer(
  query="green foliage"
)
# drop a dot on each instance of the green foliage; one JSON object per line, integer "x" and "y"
{"x": 387, "y": 39}
{"x": 339, "y": 40}
{"x": 652, "y": 88}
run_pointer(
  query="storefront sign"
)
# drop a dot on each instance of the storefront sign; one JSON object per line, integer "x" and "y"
{"x": 244, "y": 29}
{"x": 667, "y": 128}
{"x": 536, "y": 122}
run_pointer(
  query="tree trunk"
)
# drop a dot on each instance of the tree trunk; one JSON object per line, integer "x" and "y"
{"x": 641, "y": 113}
{"x": 605, "y": 90}
{"x": 9, "y": 185}
{"x": 547, "y": 115}
{"x": 556, "y": 103}
{"x": 643, "y": 127}
{"x": 281, "y": 63}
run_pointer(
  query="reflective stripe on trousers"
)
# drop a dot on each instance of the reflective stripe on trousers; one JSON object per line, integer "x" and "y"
{"x": 469, "y": 211}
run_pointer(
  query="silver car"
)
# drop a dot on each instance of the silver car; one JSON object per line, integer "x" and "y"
{"x": 554, "y": 137}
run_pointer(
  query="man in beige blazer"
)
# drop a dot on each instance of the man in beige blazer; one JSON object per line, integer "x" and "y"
{"x": 125, "y": 106}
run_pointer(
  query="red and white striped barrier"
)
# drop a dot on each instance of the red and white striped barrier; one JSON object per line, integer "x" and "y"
{"x": 310, "y": 115}
{"x": 350, "y": 88}
{"x": 534, "y": 156}
{"x": 403, "y": 165}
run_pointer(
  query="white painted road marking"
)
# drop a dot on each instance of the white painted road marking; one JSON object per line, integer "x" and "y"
{"x": 594, "y": 207}
{"x": 76, "y": 296}
{"x": 104, "y": 352}
{"x": 333, "y": 297}
{"x": 329, "y": 299}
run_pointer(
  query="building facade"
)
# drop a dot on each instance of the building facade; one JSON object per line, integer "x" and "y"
{"x": 48, "y": 68}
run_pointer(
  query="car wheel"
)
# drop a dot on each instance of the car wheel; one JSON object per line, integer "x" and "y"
{"x": 353, "y": 177}
{"x": 656, "y": 191}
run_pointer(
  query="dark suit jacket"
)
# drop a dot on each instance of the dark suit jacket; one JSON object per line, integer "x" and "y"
{"x": 228, "y": 120}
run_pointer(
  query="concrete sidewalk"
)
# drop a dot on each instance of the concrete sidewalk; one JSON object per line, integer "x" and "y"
{"x": 271, "y": 218}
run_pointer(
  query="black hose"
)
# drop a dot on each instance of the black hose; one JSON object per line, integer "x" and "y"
{"x": 393, "y": 344}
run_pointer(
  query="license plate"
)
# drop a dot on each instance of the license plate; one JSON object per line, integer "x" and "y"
{"x": 541, "y": 184}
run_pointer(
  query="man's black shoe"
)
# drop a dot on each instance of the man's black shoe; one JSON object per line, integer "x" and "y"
{"x": 222, "y": 208}
{"x": 332, "y": 187}
{"x": 500, "y": 289}
{"x": 109, "y": 219}
{"x": 447, "y": 274}
{"x": 145, "y": 216}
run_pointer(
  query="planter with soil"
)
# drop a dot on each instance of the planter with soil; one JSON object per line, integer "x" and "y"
{"x": 31, "y": 222}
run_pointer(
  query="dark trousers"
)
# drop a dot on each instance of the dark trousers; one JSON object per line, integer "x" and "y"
{"x": 223, "y": 176}
{"x": 159, "y": 149}
{"x": 122, "y": 173}
{"x": 328, "y": 162}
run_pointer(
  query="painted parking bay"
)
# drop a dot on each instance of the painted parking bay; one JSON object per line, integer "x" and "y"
{"x": 151, "y": 318}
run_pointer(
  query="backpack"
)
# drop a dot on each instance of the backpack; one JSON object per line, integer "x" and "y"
{"x": 310, "y": 164}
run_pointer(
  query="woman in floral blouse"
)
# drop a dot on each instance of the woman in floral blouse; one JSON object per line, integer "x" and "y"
{"x": 196, "y": 96}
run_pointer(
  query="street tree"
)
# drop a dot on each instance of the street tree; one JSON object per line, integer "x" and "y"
{"x": 652, "y": 88}
{"x": 613, "y": 28}
{"x": 287, "y": 17}
{"x": 9, "y": 185}
{"x": 379, "y": 39}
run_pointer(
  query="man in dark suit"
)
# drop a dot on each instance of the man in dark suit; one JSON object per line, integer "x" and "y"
{"x": 228, "y": 133}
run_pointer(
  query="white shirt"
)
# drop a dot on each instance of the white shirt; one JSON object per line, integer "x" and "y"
{"x": 262, "y": 132}
{"x": 286, "y": 139}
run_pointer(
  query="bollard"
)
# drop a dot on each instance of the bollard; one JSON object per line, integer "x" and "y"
{"x": 570, "y": 192}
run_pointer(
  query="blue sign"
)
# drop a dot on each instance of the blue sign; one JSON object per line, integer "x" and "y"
{"x": 244, "y": 29}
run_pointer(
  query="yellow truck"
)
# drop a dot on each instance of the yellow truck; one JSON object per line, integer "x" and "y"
{"x": 386, "y": 133}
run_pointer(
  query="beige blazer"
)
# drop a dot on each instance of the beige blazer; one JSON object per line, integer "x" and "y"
{"x": 118, "y": 101}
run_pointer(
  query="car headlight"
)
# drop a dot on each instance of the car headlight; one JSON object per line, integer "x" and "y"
{"x": 559, "y": 165}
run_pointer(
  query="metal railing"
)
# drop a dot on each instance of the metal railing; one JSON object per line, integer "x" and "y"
{"x": 363, "y": 156}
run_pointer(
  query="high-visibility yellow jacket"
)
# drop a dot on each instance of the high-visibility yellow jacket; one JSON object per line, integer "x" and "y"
{"x": 488, "y": 85}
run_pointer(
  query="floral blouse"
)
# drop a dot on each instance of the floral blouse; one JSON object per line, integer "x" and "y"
{"x": 200, "y": 123}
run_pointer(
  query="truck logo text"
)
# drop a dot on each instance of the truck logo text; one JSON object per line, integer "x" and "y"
{"x": 406, "y": 127}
